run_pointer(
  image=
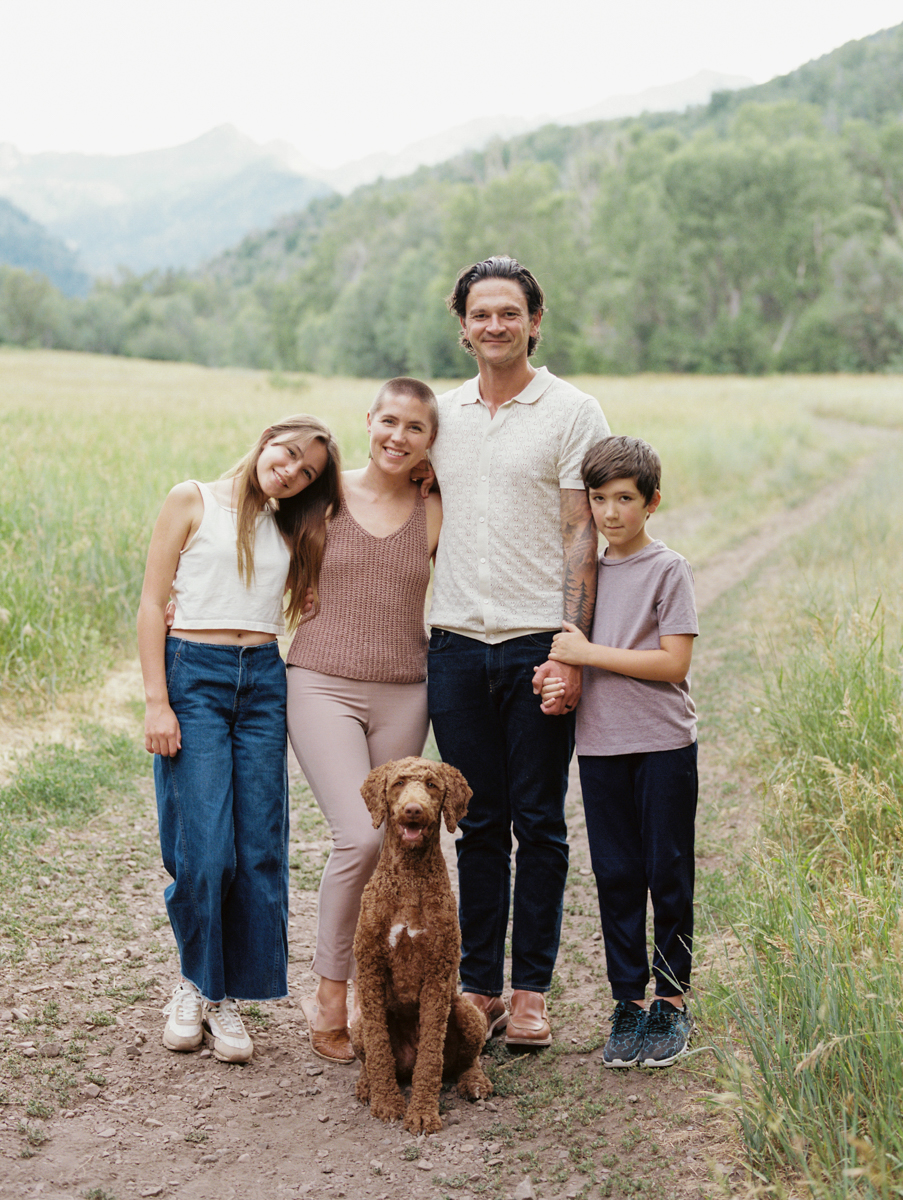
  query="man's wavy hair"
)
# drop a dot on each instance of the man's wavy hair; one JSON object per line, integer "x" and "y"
{"x": 500, "y": 266}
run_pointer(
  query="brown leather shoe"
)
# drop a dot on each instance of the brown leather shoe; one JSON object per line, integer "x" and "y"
{"x": 529, "y": 1023}
{"x": 332, "y": 1044}
{"x": 493, "y": 1009}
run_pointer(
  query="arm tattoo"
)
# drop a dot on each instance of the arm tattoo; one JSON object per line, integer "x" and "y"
{"x": 581, "y": 546}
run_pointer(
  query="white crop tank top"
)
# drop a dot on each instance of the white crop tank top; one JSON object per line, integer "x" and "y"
{"x": 208, "y": 591}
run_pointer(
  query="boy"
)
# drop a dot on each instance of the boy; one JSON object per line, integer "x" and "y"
{"x": 636, "y": 746}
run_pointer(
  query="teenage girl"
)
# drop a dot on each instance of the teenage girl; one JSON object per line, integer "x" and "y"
{"x": 357, "y": 672}
{"x": 228, "y": 552}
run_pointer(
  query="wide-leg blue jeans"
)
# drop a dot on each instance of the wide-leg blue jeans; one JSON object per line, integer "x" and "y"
{"x": 488, "y": 724}
{"x": 222, "y": 804}
{"x": 640, "y": 822}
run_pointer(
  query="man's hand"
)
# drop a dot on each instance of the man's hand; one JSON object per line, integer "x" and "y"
{"x": 565, "y": 701}
{"x": 424, "y": 474}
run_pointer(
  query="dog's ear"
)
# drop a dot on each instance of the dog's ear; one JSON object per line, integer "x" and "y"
{"x": 457, "y": 793}
{"x": 374, "y": 790}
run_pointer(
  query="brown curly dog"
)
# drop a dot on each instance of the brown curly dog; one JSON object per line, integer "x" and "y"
{"x": 413, "y": 1024}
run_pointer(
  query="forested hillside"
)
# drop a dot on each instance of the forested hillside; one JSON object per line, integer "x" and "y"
{"x": 26, "y": 244}
{"x": 762, "y": 232}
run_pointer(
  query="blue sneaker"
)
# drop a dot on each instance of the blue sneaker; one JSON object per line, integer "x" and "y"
{"x": 628, "y": 1025}
{"x": 667, "y": 1034}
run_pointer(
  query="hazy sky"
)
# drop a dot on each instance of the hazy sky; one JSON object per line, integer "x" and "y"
{"x": 343, "y": 78}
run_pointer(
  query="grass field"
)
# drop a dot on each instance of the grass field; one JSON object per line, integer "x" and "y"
{"x": 806, "y": 1008}
{"x": 90, "y": 446}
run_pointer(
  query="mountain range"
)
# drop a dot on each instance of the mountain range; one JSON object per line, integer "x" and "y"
{"x": 81, "y": 215}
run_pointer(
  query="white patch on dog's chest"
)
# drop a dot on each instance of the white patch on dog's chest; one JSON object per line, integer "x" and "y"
{"x": 397, "y": 930}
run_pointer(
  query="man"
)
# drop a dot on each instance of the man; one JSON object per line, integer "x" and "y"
{"x": 517, "y": 555}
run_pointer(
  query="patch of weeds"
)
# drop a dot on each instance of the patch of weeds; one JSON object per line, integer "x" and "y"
{"x": 196, "y": 1136}
{"x": 98, "y": 1193}
{"x": 255, "y": 1015}
{"x": 411, "y": 1152}
{"x": 96, "y": 1078}
{"x": 306, "y": 815}
{"x": 582, "y": 1158}
{"x": 61, "y": 1084}
{"x": 74, "y": 1053}
{"x": 452, "y": 1181}
{"x": 593, "y": 1042}
{"x": 37, "y": 1108}
{"x": 50, "y": 1014}
{"x": 33, "y": 1134}
{"x": 628, "y": 1185}
{"x": 499, "y": 1132}
{"x": 99, "y": 1018}
{"x": 308, "y": 871}
{"x": 128, "y": 996}
{"x": 588, "y": 1111}
{"x": 632, "y": 1138}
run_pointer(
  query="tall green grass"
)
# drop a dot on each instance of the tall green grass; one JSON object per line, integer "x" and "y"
{"x": 89, "y": 447}
{"x": 817, "y": 1002}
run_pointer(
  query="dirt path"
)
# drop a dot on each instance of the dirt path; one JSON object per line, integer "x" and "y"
{"x": 92, "y": 1105}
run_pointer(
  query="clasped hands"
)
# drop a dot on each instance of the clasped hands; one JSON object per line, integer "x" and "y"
{"x": 559, "y": 680}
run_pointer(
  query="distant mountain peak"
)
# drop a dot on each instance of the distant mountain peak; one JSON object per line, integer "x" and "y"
{"x": 478, "y": 133}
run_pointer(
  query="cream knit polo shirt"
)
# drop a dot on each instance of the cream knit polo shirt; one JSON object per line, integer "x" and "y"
{"x": 500, "y": 556}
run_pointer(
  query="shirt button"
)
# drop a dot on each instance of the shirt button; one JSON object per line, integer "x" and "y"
{"x": 483, "y": 478}
{"x": 482, "y": 519}
{"x": 482, "y": 560}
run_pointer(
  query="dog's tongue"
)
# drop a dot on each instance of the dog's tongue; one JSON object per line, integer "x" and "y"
{"x": 410, "y": 833}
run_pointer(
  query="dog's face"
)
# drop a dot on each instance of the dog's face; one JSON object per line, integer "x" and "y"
{"x": 411, "y": 794}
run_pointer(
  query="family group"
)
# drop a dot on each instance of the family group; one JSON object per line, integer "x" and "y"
{"x": 537, "y": 643}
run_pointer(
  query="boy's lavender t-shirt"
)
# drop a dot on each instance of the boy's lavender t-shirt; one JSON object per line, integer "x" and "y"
{"x": 640, "y": 598}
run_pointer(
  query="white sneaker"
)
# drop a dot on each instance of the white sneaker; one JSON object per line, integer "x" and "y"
{"x": 183, "y": 1029}
{"x": 224, "y": 1025}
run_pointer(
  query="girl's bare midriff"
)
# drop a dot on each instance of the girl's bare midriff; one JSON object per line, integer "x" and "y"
{"x": 224, "y": 637}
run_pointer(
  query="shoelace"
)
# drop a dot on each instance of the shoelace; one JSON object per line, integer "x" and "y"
{"x": 186, "y": 1003}
{"x": 660, "y": 1021}
{"x": 229, "y": 1018}
{"x": 623, "y": 1019}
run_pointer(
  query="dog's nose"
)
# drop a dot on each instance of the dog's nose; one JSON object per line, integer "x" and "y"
{"x": 413, "y": 811}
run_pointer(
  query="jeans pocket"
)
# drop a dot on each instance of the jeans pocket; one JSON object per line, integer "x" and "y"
{"x": 440, "y": 639}
{"x": 542, "y": 641}
{"x": 173, "y": 661}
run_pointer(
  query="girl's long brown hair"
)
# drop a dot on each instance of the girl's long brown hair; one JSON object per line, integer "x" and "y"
{"x": 301, "y": 519}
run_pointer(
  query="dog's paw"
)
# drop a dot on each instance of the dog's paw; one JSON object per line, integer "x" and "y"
{"x": 422, "y": 1122}
{"x": 363, "y": 1089}
{"x": 474, "y": 1084}
{"x": 387, "y": 1108}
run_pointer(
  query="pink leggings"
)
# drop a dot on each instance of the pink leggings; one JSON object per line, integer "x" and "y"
{"x": 340, "y": 729}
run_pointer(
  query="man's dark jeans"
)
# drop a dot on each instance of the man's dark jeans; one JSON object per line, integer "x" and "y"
{"x": 488, "y": 724}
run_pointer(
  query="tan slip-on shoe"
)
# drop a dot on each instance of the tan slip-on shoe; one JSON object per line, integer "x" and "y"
{"x": 528, "y": 1024}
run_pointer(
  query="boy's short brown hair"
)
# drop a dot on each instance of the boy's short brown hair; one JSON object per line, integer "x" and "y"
{"x": 622, "y": 458}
